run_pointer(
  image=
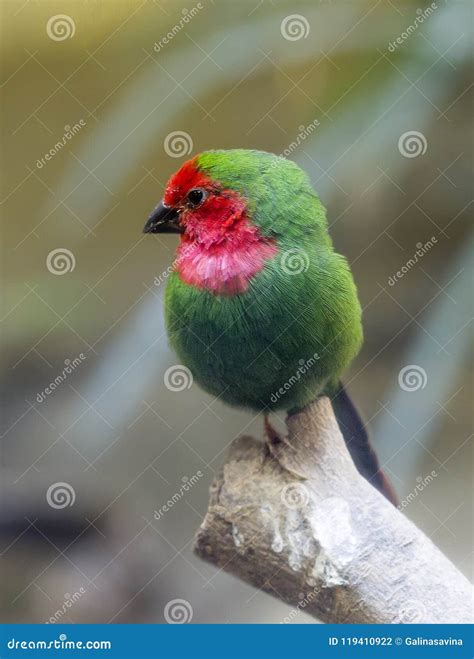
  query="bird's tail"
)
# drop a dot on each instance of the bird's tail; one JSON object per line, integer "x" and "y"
{"x": 357, "y": 441}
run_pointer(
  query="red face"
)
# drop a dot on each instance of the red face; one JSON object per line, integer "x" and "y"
{"x": 221, "y": 249}
{"x": 208, "y": 213}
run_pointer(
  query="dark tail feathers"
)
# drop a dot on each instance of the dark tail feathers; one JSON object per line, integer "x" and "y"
{"x": 358, "y": 443}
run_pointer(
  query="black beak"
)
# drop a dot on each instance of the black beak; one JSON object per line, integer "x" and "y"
{"x": 163, "y": 220}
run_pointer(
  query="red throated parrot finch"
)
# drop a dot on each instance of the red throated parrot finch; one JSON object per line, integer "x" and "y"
{"x": 259, "y": 306}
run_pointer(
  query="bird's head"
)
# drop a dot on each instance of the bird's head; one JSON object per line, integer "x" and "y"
{"x": 240, "y": 206}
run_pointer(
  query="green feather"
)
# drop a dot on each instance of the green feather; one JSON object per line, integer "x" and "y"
{"x": 288, "y": 338}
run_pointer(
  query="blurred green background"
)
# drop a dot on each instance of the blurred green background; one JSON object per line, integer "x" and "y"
{"x": 390, "y": 153}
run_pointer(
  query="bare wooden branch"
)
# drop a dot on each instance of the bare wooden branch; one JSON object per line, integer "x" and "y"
{"x": 300, "y": 523}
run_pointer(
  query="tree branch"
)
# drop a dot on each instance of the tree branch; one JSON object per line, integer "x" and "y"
{"x": 299, "y": 522}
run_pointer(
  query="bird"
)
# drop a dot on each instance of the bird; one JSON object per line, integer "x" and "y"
{"x": 259, "y": 306}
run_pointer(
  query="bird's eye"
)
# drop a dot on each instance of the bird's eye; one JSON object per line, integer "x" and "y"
{"x": 196, "y": 197}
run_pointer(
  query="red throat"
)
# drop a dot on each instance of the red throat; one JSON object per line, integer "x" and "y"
{"x": 220, "y": 250}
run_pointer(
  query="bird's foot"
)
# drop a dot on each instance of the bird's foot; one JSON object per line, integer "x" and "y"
{"x": 271, "y": 435}
{"x": 273, "y": 447}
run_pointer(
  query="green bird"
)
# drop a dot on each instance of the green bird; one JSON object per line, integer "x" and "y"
{"x": 259, "y": 306}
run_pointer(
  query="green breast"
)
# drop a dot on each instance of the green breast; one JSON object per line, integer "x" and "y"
{"x": 279, "y": 344}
